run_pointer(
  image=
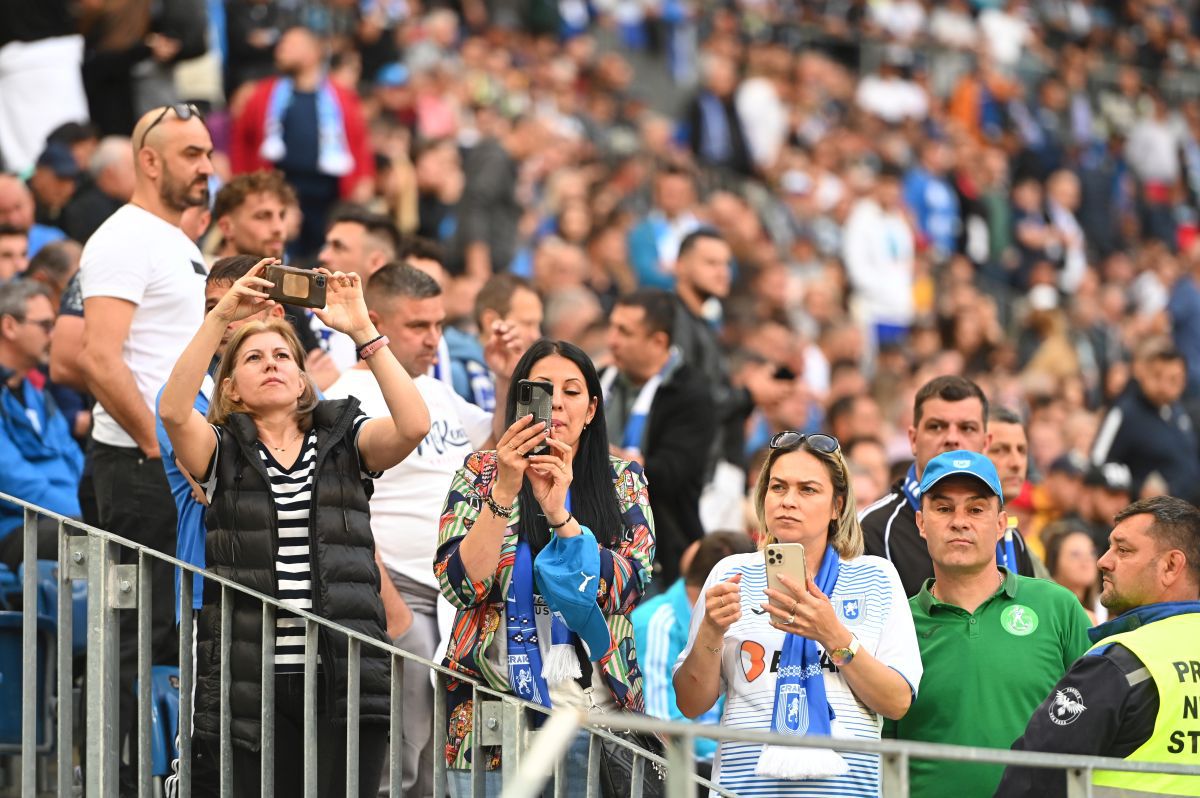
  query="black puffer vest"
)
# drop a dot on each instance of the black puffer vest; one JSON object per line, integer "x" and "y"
{"x": 242, "y": 539}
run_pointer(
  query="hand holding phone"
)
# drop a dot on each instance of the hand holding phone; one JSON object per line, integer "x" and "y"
{"x": 785, "y": 558}
{"x": 536, "y": 398}
{"x": 300, "y": 287}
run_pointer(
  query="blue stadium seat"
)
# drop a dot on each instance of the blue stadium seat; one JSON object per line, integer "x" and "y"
{"x": 11, "y": 657}
{"x": 8, "y": 585}
{"x": 47, "y": 597}
{"x": 164, "y": 717}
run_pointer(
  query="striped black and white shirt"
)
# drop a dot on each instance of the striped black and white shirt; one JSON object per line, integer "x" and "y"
{"x": 291, "y": 489}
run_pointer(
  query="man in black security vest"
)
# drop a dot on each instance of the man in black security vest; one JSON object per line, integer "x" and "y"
{"x": 949, "y": 413}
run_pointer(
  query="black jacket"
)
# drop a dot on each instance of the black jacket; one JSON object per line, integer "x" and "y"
{"x": 890, "y": 531}
{"x": 1150, "y": 439}
{"x": 1121, "y": 709}
{"x": 678, "y": 439}
{"x": 241, "y": 545}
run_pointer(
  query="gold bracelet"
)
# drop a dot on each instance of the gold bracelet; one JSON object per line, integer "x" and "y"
{"x": 710, "y": 648}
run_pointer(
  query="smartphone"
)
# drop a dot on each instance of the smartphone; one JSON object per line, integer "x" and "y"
{"x": 537, "y": 398}
{"x": 785, "y": 558}
{"x": 302, "y": 287}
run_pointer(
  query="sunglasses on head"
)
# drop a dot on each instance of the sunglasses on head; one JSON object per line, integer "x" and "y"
{"x": 184, "y": 111}
{"x": 790, "y": 439}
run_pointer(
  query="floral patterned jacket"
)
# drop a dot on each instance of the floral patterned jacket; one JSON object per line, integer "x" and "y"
{"x": 625, "y": 571}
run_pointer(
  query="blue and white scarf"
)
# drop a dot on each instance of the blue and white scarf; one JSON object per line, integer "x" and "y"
{"x": 633, "y": 436}
{"x": 333, "y": 153}
{"x": 801, "y": 706}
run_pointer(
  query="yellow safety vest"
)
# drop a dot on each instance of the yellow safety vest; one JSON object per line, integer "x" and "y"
{"x": 1170, "y": 650}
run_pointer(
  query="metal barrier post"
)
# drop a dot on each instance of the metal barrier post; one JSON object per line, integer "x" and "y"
{"x": 266, "y": 770}
{"x": 310, "y": 709}
{"x": 102, "y": 671}
{"x": 71, "y": 557}
{"x": 679, "y": 765}
{"x": 187, "y": 679}
{"x": 353, "y": 675}
{"x": 893, "y": 772}
{"x": 144, "y": 775}
{"x": 29, "y": 680}
{"x": 478, "y": 726}
{"x": 1079, "y": 782}
{"x": 396, "y": 730}
{"x": 513, "y": 730}
{"x": 226, "y": 743}
{"x": 593, "y": 766}
{"x": 440, "y": 691}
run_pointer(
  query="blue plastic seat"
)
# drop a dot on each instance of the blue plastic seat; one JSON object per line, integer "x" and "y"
{"x": 164, "y": 717}
{"x": 47, "y": 599}
{"x": 11, "y": 658}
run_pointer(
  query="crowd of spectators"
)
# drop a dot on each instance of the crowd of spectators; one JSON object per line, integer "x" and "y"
{"x": 784, "y": 215}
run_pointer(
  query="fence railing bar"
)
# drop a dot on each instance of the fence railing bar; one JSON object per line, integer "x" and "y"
{"x": 593, "y": 766}
{"x": 102, "y": 674}
{"x": 187, "y": 681}
{"x": 560, "y": 776}
{"x": 1079, "y": 782}
{"x": 65, "y": 651}
{"x": 893, "y": 772}
{"x": 266, "y": 770}
{"x": 680, "y": 746}
{"x": 143, "y": 676}
{"x": 226, "y": 736}
{"x": 639, "y": 775}
{"x": 396, "y": 728}
{"x": 29, "y": 674}
{"x": 353, "y": 676}
{"x": 440, "y": 691}
{"x": 478, "y": 765}
{"x": 310, "y": 709}
{"x": 547, "y": 750}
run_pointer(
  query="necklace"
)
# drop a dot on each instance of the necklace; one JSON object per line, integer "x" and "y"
{"x": 286, "y": 445}
{"x": 933, "y": 587}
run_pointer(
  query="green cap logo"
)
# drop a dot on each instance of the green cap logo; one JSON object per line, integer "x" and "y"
{"x": 1019, "y": 620}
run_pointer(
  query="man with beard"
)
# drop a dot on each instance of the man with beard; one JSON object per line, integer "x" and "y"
{"x": 142, "y": 282}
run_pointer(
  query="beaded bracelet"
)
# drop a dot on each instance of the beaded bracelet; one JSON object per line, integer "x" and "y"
{"x": 564, "y": 523}
{"x": 498, "y": 509}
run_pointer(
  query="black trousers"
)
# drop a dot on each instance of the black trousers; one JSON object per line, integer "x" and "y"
{"x": 291, "y": 752}
{"x": 12, "y": 545}
{"x": 134, "y": 501}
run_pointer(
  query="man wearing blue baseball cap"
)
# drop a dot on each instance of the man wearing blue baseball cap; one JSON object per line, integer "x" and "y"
{"x": 993, "y": 642}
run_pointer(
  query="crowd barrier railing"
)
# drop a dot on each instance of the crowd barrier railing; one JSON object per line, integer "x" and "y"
{"x": 117, "y": 571}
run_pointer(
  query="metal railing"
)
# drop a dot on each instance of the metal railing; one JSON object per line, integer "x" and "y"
{"x": 532, "y": 749}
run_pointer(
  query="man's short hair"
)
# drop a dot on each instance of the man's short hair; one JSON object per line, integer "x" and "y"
{"x": 228, "y": 271}
{"x": 1176, "y": 526}
{"x": 713, "y": 548}
{"x": 949, "y": 388}
{"x": 421, "y": 248}
{"x": 16, "y": 293}
{"x": 377, "y": 226}
{"x": 398, "y": 279}
{"x": 57, "y": 260}
{"x": 1157, "y": 350}
{"x": 699, "y": 234}
{"x": 658, "y": 307}
{"x": 235, "y": 193}
{"x": 12, "y": 230}
{"x": 1004, "y": 415}
{"x": 497, "y": 293}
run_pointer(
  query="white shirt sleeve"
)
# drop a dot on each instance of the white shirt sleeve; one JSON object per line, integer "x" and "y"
{"x": 897, "y": 647}
{"x": 475, "y": 420}
{"x": 111, "y": 267}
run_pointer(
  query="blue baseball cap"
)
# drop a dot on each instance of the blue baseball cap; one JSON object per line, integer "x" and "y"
{"x": 567, "y": 574}
{"x": 974, "y": 464}
{"x": 392, "y": 75}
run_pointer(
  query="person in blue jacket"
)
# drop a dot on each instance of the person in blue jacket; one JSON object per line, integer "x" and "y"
{"x": 661, "y": 625}
{"x": 42, "y": 463}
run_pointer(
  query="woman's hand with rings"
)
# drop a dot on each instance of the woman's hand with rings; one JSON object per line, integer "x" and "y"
{"x": 247, "y": 296}
{"x": 550, "y": 477}
{"x": 810, "y": 612}
{"x": 512, "y": 455}
{"x": 723, "y": 604}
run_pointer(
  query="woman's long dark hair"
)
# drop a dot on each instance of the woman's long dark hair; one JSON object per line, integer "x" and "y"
{"x": 593, "y": 496}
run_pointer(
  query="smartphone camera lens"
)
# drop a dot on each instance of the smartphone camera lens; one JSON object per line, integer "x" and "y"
{"x": 320, "y": 281}
{"x": 526, "y": 393}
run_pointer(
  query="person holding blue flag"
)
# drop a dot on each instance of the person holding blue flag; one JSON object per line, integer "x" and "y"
{"x": 827, "y": 658}
{"x": 544, "y": 556}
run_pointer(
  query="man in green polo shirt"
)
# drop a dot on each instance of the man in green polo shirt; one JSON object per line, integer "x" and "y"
{"x": 993, "y": 643}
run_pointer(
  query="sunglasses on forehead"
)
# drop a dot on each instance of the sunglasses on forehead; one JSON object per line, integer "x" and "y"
{"x": 790, "y": 439}
{"x": 184, "y": 111}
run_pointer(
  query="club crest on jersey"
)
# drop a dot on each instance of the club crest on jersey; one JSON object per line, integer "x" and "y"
{"x": 852, "y": 608}
{"x": 791, "y": 711}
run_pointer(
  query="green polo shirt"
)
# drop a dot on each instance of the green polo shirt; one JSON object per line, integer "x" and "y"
{"x": 985, "y": 674}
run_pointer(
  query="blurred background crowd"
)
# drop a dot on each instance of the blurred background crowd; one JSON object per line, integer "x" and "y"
{"x": 996, "y": 189}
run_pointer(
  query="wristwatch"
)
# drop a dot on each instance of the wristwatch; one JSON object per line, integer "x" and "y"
{"x": 842, "y": 657}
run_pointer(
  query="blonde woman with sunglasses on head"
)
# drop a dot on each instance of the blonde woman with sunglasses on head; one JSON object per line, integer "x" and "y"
{"x": 830, "y": 657}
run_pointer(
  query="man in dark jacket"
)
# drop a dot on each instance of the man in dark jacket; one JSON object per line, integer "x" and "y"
{"x": 949, "y": 413}
{"x": 1148, "y": 428}
{"x": 660, "y": 413}
{"x": 714, "y": 129}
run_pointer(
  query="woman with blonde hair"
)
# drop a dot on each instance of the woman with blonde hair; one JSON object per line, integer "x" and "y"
{"x": 827, "y": 657}
{"x": 287, "y": 477}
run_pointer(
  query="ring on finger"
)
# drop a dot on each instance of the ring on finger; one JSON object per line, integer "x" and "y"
{"x": 795, "y": 604}
{"x": 791, "y": 619}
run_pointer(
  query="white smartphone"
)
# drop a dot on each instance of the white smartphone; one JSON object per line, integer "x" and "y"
{"x": 785, "y": 558}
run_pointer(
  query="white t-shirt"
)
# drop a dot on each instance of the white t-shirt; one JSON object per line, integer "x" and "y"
{"x": 408, "y": 499}
{"x": 337, "y": 345}
{"x": 141, "y": 258}
{"x": 870, "y": 601}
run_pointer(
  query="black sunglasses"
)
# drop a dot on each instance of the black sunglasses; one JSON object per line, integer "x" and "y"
{"x": 819, "y": 442}
{"x": 184, "y": 111}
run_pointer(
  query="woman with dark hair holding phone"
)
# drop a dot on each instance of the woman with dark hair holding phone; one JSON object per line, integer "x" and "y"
{"x": 287, "y": 477}
{"x": 826, "y": 657}
{"x": 544, "y": 556}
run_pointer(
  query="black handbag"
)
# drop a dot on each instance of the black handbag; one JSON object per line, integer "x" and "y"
{"x": 617, "y": 769}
